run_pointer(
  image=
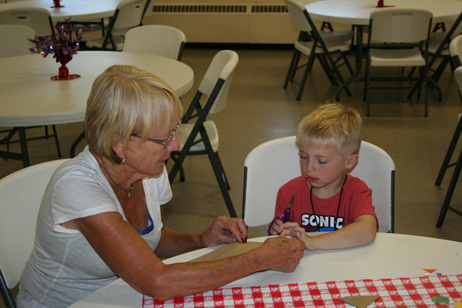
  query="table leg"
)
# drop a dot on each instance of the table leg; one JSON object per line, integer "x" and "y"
{"x": 23, "y": 142}
{"x": 24, "y": 155}
{"x": 76, "y": 143}
{"x": 359, "y": 55}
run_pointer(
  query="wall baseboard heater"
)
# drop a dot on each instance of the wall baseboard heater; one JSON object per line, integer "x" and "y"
{"x": 227, "y": 22}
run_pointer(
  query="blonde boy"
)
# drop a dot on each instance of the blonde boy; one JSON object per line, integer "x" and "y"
{"x": 327, "y": 198}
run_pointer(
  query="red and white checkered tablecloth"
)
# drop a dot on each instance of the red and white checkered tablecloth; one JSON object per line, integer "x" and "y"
{"x": 398, "y": 292}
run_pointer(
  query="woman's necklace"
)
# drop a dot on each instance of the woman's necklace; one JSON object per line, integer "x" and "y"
{"x": 339, "y": 202}
{"x": 128, "y": 191}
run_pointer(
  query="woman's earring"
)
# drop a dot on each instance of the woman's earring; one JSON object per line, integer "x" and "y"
{"x": 123, "y": 160}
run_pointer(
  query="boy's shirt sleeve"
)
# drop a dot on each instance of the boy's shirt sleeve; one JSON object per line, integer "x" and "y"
{"x": 362, "y": 202}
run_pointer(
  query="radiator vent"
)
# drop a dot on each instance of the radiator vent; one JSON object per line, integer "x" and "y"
{"x": 200, "y": 9}
{"x": 269, "y": 9}
{"x": 226, "y": 21}
{"x": 219, "y": 9}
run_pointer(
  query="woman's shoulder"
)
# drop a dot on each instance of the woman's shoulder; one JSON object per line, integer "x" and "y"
{"x": 85, "y": 164}
{"x": 77, "y": 175}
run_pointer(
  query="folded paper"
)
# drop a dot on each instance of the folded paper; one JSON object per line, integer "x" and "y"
{"x": 360, "y": 301}
{"x": 228, "y": 250}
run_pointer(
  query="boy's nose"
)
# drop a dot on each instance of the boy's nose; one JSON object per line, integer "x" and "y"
{"x": 309, "y": 166}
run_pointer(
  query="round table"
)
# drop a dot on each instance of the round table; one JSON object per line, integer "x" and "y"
{"x": 31, "y": 98}
{"x": 389, "y": 256}
{"x": 75, "y": 9}
{"x": 356, "y": 12}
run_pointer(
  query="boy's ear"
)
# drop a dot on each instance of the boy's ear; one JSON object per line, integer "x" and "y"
{"x": 352, "y": 160}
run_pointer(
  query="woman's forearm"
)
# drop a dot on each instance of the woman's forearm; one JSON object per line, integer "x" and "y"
{"x": 173, "y": 243}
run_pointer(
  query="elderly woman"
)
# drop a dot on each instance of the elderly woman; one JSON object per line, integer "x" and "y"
{"x": 101, "y": 215}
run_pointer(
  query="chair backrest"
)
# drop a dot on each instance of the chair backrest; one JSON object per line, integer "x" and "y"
{"x": 377, "y": 169}
{"x": 272, "y": 164}
{"x": 14, "y": 38}
{"x": 38, "y": 19}
{"x": 455, "y": 50}
{"x": 148, "y": 8}
{"x": 458, "y": 77}
{"x": 157, "y": 40}
{"x": 297, "y": 15}
{"x": 128, "y": 14}
{"x": 217, "y": 80}
{"x": 400, "y": 25}
{"x": 21, "y": 193}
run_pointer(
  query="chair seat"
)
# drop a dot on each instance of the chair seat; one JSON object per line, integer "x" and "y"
{"x": 98, "y": 43}
{"x": 342, "y": 35}
{"x": 397, "y": 57}
{"x": 332, "y": 44}
{"x": 435, "y": 41}
{"x": 89, "y": 25}
{"x": 185, "y": 130}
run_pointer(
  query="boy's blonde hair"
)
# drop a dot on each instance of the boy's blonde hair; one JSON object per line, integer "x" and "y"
{"x": 332, "y": 124}
{"x": 125, "y": 100}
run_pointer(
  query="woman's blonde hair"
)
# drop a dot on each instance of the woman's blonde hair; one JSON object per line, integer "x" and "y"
{"x": 125, "y": 100}
{"x": 332, "y": 124}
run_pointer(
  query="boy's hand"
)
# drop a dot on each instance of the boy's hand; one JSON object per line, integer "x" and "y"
{"x": 276, "y": 228}
{"x": 292, "y": 229}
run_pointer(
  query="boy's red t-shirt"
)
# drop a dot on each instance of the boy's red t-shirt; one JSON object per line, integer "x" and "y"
{"x": 356, "y": 201}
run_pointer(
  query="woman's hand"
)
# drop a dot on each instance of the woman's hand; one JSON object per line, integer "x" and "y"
{"x": 224, "y": 230}
{"x": 283, "y": 254}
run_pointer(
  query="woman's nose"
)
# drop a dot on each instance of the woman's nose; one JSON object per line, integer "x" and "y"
{"x": 174, "y": 144}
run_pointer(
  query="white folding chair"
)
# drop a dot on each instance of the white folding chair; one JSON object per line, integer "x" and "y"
{"x": 16, "y": 44}
{"x": 102, "y": 23}
{"x": 158, "y": 40}
{"x": 398, "y": 38}
{"x": 321, "y": 45}
{"x": 452, "y": 145}
{"x": 21, "y": 193}
{"x": 455, "y": 51}
{"x": 201, "y": 137}
{"x": 38, "y": 19}
{"x": 438, "y": 48}
{"x": 15, "y": 40}
{"x": 128, "y": 14}
{"x": 277, "y": 162}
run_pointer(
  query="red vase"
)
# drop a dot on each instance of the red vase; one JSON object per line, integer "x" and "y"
{"x": 57, "y": 4}
{"x": 63, "y": 73}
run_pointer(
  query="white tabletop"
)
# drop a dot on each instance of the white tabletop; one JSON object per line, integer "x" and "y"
{"x": 389, "y": 256}
{"x": 77, "y": 9}
{"x": 356, "y": 12}
{"x": 29, "y": 97}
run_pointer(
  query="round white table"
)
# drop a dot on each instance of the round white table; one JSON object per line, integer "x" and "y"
{"x": 356, "y": 12}
{"x": 75, "y": 9}
{"x": 31, "y": 98}
{"x": 389, "y": 256}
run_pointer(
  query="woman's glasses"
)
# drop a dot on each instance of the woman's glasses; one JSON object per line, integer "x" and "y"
{"x": 164, "y": 142}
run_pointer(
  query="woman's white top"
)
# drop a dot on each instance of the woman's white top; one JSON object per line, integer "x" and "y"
{"x": 63, "y": 266}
